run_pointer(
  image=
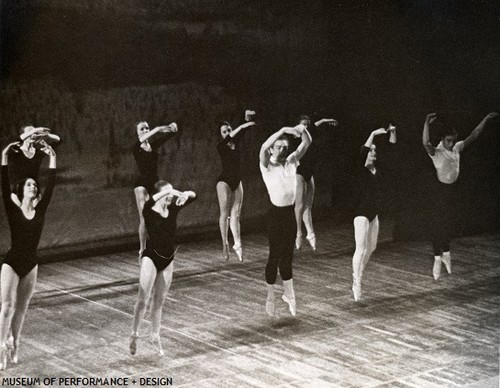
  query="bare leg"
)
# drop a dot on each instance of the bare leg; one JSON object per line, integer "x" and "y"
{"x": 361, "y": 225}
{"x": 307, "y": 217}
{"x": 299, "y": 208}
{"x": 141, "y": 196}
{"x": 8, "y": 283}
{"x": 224, "y": 196}
{"x": 147, "y": 279}
{"x": 234, "y": 220}
{"x": 372, "y": 242}
{"x": 25, "y": 290}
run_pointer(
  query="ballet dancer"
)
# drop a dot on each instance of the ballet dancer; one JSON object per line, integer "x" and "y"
{"x": 279, "y": 172}
{"x": 366, "y": 223}
{"x": 305, "y": 184}
{"x": 20, "y": 267}
{"x": 229, "y": 186}
{"x": 157, "y": 267}
{"x": 146, "y": 157}
{"x": 446, "y": 160}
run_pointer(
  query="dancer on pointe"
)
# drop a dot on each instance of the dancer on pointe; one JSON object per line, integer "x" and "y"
{"x": 305, "y": 183}
{"x": 229, "y": 185}
{"x": 279, "y": 172}
{"x": 20, "y": 267}
{"x": 146, "y": 157}
{"x": 366, "y": 223}
{"x": 157, "y": 267}
{"x": 446, "y": 160}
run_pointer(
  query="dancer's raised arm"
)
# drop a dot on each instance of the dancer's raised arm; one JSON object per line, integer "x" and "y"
{"x": 479, "y": 128}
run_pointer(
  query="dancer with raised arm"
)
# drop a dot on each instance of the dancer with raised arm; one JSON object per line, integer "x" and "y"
{"x": 229, "y": 186}
{"x": 369, "y": 192}
{"x": 146, "y": 157}
{"x": 20, "y": 267}
{"x": 446, "y": 160}
{"x": 305, "y": 183}
{"x": 279, "y": 172}
{"x": 157, "y": 267}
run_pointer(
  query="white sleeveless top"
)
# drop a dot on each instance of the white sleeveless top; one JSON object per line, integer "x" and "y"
{"x": 447, "y": 163}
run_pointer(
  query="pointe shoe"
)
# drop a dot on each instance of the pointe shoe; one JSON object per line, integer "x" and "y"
{"x": 270, "y": 307}
{"x": 446, "y": 259}
{"x": 3, "y": 357}
{"x": 155, "y": 340}
{"x": 298, "y": 242}
{"x": 356, "y": 289}
{"x": 239, "y": 251}
{"x": 436, "y": 269}
{"x": 133, "y": 343}
{"x": 225, "y": 252}
{"x": 312, "y": 241}
{"x": 291, "y": 304}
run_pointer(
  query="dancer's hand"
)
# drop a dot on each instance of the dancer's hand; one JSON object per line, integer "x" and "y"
{"x": 331, "y": 122}
{"x": 47, "y": 148}
{"x": 173, "y": 127}
{"x": 12, "y": 146}
{"x": 248, "y": 124}
{"x": 391, "y": 128}
{"x": 380, "y": 131}
{"x": 430, "y": 118}
{"x": 182, "y": 199}
{"x": 491, "y": 116}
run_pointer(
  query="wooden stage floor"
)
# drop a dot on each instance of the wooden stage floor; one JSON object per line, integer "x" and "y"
{"x": 409, "y": 330}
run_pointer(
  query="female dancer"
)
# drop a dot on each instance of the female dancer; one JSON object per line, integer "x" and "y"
{"x": 366, "y": 224}
{"x": 446, "y": 160}
{"x": 229, "y": 187}
{"x": 20, "y": 268}
{"x": 305, "y": 185}
{"x": 146, "y": 157}
{"x": 160, "y": 214}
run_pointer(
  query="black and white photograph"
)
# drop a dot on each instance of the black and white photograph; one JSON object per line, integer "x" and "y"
{"x": 250, "y": 193}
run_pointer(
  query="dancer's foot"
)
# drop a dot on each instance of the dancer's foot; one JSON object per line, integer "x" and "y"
{"x": 133, "y": 343}
{"x": 270, "y": 307}
{"x": 155, "y": 340}
{"x": 356, "y": 290}
{"x": 12, "y": 347}
{"x": 291, "y": 304}
{"x": 436, "y": 269}
{"x": 312, "y": 241}
{"x": 225, "y": 252}
{"x": 298, "y": 242}
{"x": 239, "y": 251}
{"x": 446, "y": 259}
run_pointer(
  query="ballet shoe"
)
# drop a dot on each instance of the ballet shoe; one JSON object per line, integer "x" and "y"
{"x": 298, "y": 242}
{"x": 436, "y": 269}
{"x": 3, "y": 357}
{"x": 133, "y": 343}
{"x": 446, "y": 259}
{"x": 270, "y": 307}
{"x": 291, "y": 304}
{"x": 239, "y": 251}
{"x": 356, "y": 289}
{"x": 155, "y": 340}
{"x": 225, "y": 252}
{"x": 312, "y": 241}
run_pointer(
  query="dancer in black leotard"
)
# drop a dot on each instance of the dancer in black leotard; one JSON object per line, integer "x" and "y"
{"x": 20, "y": 268}
{"x": 160, "y": 214}
{"x": 305, "y": 183}
{"x": 146, "y": 157}
{"x": 366, "y": 224}
{"x": 229, "y": 186}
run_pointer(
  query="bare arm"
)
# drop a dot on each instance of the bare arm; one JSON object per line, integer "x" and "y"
{"x": 431, "y": 117}
{"x": 172, "y": 128}
{"x": 264, "y": 149}
{"x": 480, "y": 127}
{"x": 305, "y": 143}
{"x": 322, "y": 121}
{"x": 371, "y": 138}
{"x": 392, "y": 134}
{"x": 235, "y": 132}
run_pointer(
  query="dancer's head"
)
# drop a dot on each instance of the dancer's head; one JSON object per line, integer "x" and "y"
{"x": 162, "y": 185}
{"x": 279, "y": 150}
{"x": 371, "y": 157}
{"x": 23, "y": 130}
{"x": 142, "y": 128}
{"x": 224, "y": 129}
{"x": 305, "y": 120}
{"x": 26, "y": 188}
{"x": 448, "y": 137}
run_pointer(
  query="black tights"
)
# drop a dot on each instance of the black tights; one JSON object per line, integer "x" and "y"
{"x": 282, "y": 229}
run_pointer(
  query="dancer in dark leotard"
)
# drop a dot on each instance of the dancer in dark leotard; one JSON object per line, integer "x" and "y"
{"x": 146, "y": 157}
{"x": 160, "y": 214}
{"x": 446, "y": 160}
{"x": 305, "y": 183}
{"x": 20, "y": 268}
{"x": 366, "y": 224}
{"x": 229, "y": 187}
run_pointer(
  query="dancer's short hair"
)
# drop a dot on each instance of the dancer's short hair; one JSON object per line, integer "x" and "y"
{"x": 161, "y": 183}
